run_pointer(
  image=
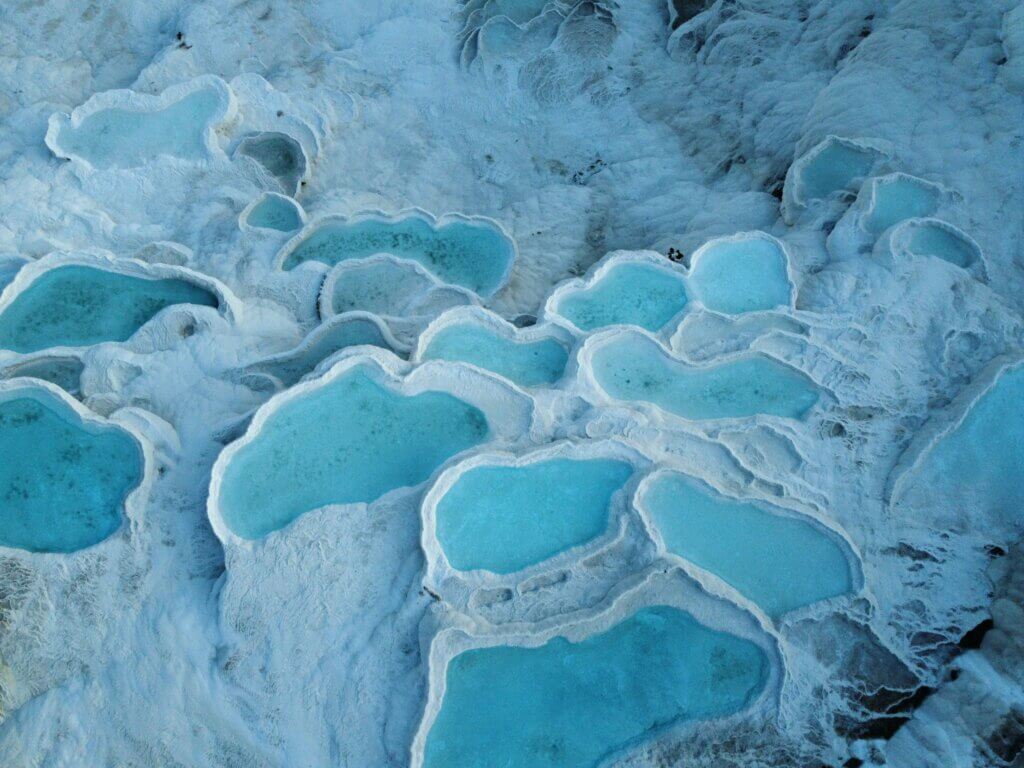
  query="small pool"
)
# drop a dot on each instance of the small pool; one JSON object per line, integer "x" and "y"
{"x": 63, "y": 484}
{"x": 930, "y": 237}
{"x": 119, "y": 137}
{"x": 628, "y": 293}
{"x": 527, "y": 363}
{"x": 336, "y": 334}
{"x": 899, "y": 197}
{"x": 634, "y": 368}
{"x": 63, "y": 371}
{"x": 76, "y": 305}
{"x": 474, "y": 255}
{"x": 741, "y": 274}
{"x": 350, "y": 440}
{"x": 975, "y": 469}
{"x": 576, "y": 703}
{"x": 778, "y": 561}
{"x": 386, "y": 287}
{"x": 505, "y": 518}
{"x": 834, "y": 165}
{"x": 274, "y": 211}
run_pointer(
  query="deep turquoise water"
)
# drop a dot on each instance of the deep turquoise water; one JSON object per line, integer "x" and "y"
{"x": 62, "y": 486}
{"x": 351, "y": 440}
{"x": 125, "y": 138}
{"x": 473, "y": 255}
{"x": 77, "y": 305}
{"x": 741, "y": 276}
{"x": 629, "y": 293}
{"x": 570, "y": 705}
{"x": 779, "y": 562}
{"x": 634, "y": 368}
{"x": 528, "y": 363}
{"x": 503, "y": 519}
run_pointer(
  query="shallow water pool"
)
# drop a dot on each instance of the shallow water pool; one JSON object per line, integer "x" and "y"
{"x": 62, "y": 484}
{"x": 628, "y": 293}
{"x": 634, "y": 368}
{"x": 75, "y": 305}
{"x": 745, "y": 275}
{"x": 932, "y": 238}
{"x": 350, "y": 440}
{"x": 527, "y": 363}
{"x": 836, "y": 167}
{"x": 505, "y": 518}
{"x": 275, "y": 212}
{"x": 898, "y": 198}
{"x": 571, "y": 705}
{"x": 778, "y": 561}
{"x": 471, "y": 254}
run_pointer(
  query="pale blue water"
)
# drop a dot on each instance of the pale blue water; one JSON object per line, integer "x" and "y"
{"x": 503, "y": 519}
{"x": 381, "y": 286}
{"x": 900, "y": 198}
{"x": 274, "y": 212}
{"x": 633, "y": 368}
{"x": 629, "y": 293}
{"x": 741, "y": 276}
{"x": 336, "y": 334}
{"x": 124, "y": 138}
{"x": 528, "y": 363}
{"x": 977, "y": 467}
{"x": 934, "y": 240}
{"x": 473, "y": 255}
{"x": 779, "y": 562}
{"x": 571, "y": 705}
{"x": 349, "y": 441}
{"x": 62, "y": 485}
{"x": 77, "y": 305}
{"x": 836, "y": 168}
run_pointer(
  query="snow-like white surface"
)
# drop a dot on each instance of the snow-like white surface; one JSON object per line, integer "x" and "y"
{"x": 581, "y": 129}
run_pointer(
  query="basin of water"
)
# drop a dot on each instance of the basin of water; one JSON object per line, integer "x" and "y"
{"x": 273, "y": 211}
{"x": 777, "y": 560}
{"x": 745, "y": 273}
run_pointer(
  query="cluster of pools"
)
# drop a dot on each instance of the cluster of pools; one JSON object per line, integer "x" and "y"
{"x": 368, "y": 425}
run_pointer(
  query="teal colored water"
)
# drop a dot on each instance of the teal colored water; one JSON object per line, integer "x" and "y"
{"x": 125, "y": 138}
{"x": 836, "y": 168}
{"x": 62, "y": 485}
{"x": 349, "y": 441}
{"x": 274, "y": 212}
{"x": 629, "y": 293}
{"x": 503, "y": 519}
{"x": 742, "y": 276}
{"x": 777, "y": 561}
{"x": 473, "y": 255}
{"x": 76, "y": 306}
{"x": 528, "y": 363}
{"x": 900, "y": 198}
{"x": 321, "y": 344}
{"x": 634, "y": 368}
{"x": 978, "y": 466}
{"x": 381, "y": 286}
{"x": 572, "y": 705}
{"x": 935, "y": 240}
{"x": 65, "y": 372}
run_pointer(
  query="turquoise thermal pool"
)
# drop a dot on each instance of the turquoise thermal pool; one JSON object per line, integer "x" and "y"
{"x": 527, "y": 363}
{"x": 576, "y": 703}
{"x": 836, "y": 167}
{"x": 932, "y": 238}
{"x": 125, "y": 138}
{"x": 334, "y": 335}
{"x": 778, "y": 561}
{"x": 275, "y": 212}
{"x": 74, "y": 305}
{"x": 897, "y": 198}
{"x": 505, "y": 518}
{"x": 350, "y": 440}
{"x": 741, "y": 275}
{"x": 383, "y": 286}
{"x": 628, "y": 293}
{"x": 64, "y": 372}
{"x": 633, "y": 367}
{"x": 474, "y": 255}
{"x": 280, "y": 154}
{"x": 976, "y": 467}
{"x": 63, "y": 483}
